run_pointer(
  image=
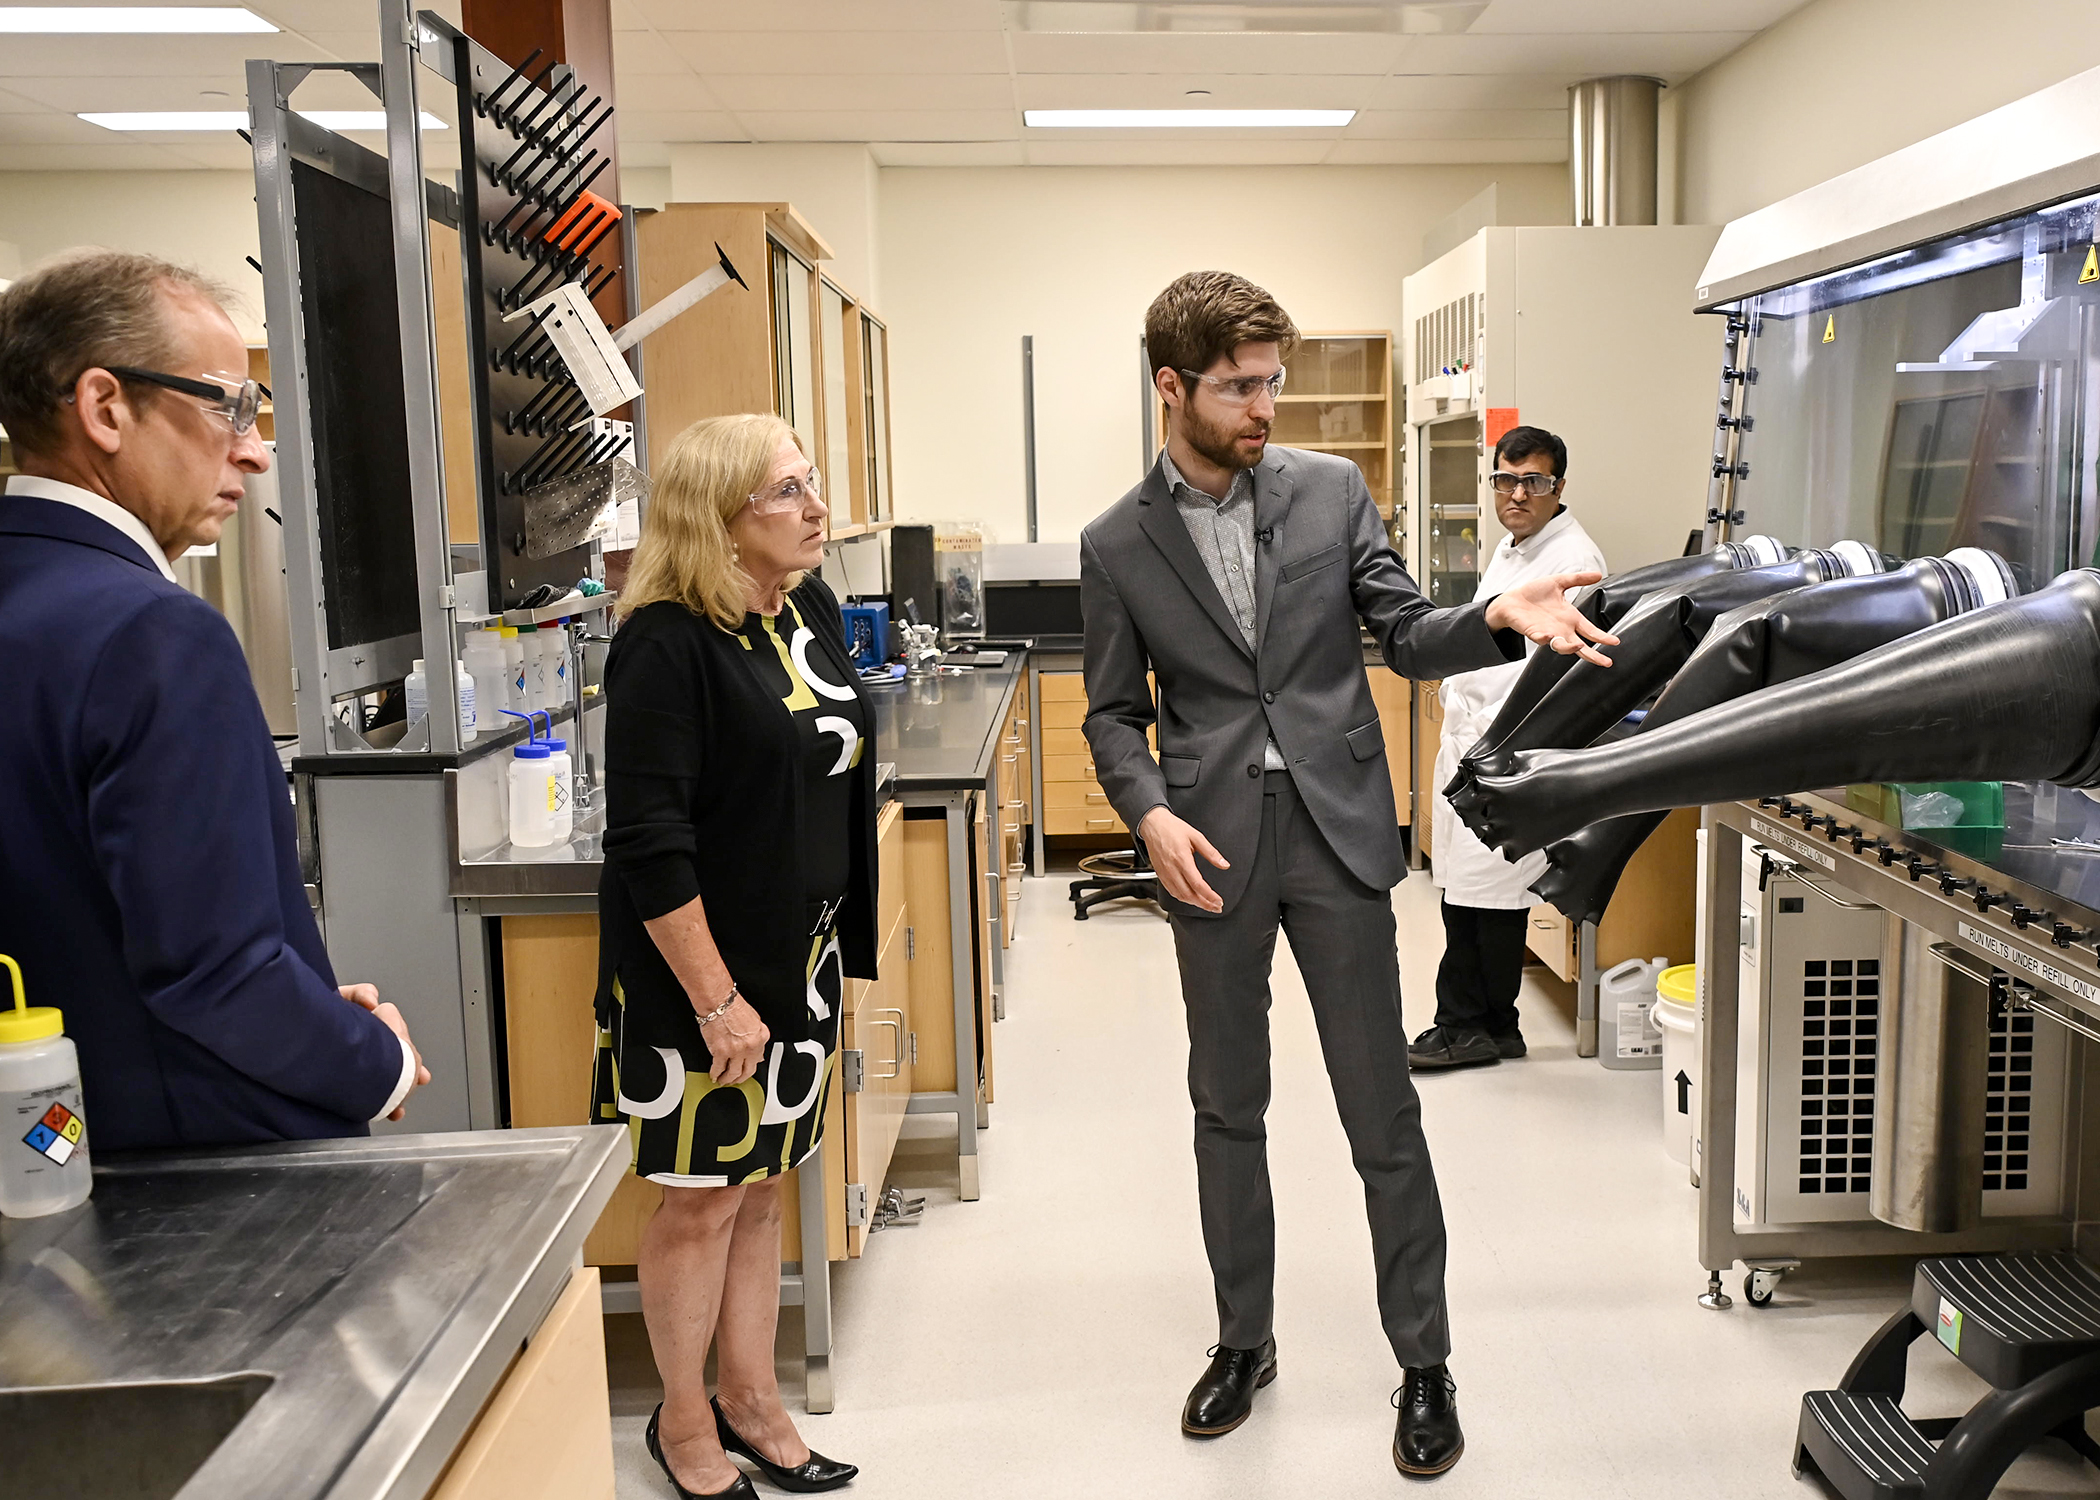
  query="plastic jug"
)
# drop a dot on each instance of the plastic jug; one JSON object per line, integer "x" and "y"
{"x": 1626, "y": 1033}
{"x": 44, "y": 1149}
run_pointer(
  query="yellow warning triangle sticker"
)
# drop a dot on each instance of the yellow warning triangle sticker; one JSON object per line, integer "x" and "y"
{"x": 2092, "y": 265}
{"x": 1830, "y": 330}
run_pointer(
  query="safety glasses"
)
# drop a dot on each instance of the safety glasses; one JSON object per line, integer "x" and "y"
{"x": 1532, "y": 486}
{"x": 1240, "y": 390}
{"x": 238, "y": 401}
{"x": 789, "y": 494}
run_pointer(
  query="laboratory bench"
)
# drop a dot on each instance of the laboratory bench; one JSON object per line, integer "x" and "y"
{"x": 953, "y": 810}
{"x": 389, "y": 1318}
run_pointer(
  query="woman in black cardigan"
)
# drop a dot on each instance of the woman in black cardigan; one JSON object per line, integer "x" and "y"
{"x": 739, "y": 892}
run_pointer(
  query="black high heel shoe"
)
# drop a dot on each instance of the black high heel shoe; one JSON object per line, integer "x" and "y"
{"x": 741, "y": 1490}
{"x": 818, "y": 1473}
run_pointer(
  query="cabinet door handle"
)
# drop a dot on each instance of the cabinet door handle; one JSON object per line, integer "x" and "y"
{"x": 897, "y": 1026}
{"x": 1102, "y": 822}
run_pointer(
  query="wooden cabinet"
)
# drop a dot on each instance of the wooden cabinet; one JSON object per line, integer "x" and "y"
{"x": 796, "y": 343}
{"x": 1394, "y": 696}
{"x": 1429, "y": 738}
{"x": 1073, "y": 802}
{"x": 1650, "y": 913}
{"x": 878, "y": 1023}
{"x": 1016, "y": 782}
{"x": 546, "y": 1434}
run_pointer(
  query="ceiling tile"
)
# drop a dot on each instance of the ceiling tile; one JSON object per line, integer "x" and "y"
{"x": 880, "y": 91}
{"x": 820, "y": 15}
{"x": 776, "y": 52}
{"x": 1162, "y": 153}
{"x": 1559, "y": 17}
{"x": 129, "y": 56}
{"x": 1431, "y": 153}
{"x": 949, "y": 154}
{"x": 13, "y": 103}
{"x": 1471, "y": 91}
{"x": 644, "y": 54}
{"x": 1159, "y": 52}
{"x": 654, "y": 92}
{"x": 1671, "y": 56}
{"x": 1460, "y": 125}
{"x": 882, "y": 125}
{"x": 53, "y": 128}
{"x": 677, "y": 125}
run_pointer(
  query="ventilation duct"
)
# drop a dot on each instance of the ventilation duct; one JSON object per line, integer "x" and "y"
{"x": 1611, "y": 157}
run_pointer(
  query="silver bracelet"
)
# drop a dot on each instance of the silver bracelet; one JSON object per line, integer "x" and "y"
{"x": 720, "y": 1010}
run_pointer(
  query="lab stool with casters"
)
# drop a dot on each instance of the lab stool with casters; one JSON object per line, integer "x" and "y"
{"x": 1112, "y": 876}
{"x": 2028, "y": 1324}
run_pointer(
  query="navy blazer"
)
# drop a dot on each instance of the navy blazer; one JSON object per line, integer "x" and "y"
{"x": 149, "y": 880}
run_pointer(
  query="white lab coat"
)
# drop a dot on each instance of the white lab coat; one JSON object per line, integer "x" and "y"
{"x": 1471, "y": 873}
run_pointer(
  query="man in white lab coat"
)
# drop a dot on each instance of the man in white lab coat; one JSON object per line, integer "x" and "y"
{"x": 1486, "y": 898}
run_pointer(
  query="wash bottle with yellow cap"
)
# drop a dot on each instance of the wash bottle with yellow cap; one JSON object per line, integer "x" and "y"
{"x": 43, "y": 1134}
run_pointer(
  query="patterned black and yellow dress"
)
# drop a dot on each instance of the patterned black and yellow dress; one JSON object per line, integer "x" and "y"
{"x": 744, "y": 780}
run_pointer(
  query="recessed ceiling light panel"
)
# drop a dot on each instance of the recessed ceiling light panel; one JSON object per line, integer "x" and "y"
{"x": 1316, "y": 17}
{"x": 1188, "y": 119}
{"x": 136, "y": 20}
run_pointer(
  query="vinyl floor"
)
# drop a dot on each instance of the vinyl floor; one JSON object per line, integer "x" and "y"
{"x": 1039, "y": 1342}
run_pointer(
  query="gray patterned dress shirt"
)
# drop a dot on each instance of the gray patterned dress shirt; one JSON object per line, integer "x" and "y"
{"x": 1223, "y": 531}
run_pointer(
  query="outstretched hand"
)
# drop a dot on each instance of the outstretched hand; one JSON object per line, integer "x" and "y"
{"x": 1539, "y": 611}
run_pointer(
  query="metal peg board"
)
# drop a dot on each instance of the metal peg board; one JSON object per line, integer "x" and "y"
{"x": 526, "y": 160}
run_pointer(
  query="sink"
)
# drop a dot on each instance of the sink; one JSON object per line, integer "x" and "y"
{"x": 138, "y": 1441}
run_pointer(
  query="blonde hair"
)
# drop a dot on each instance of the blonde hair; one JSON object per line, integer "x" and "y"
{"x": 712, "y": 469}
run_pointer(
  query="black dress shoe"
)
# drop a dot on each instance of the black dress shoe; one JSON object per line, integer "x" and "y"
{"x": 1511, "y": 1046}
{"x": 741, "y": 1490}
{"x": 1225, "y": 1394}
{"x": 1427, "y": 1440}
{"x": 1442, "y": 1047}
{"x": 806, "y": 1478}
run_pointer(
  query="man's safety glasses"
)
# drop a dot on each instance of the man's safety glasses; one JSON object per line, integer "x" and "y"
{"x": 238, "y": 402}
{"x": 789, "y": 494}
{"x": 1532, "y": 485}
{"x": 1240, "y": 390}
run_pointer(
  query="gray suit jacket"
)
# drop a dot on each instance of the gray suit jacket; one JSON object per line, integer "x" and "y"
{"x": 1326, "y": 565}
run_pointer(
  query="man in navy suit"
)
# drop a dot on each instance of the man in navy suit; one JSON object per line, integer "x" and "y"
{"x": 149, "y": 882}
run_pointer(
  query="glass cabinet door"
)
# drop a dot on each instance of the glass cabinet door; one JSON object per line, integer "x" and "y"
{"x": 1452, "y": 507}
{"x": 844, "y": 490}
{"x": 794, "y": 349}
{"x": 875, "y": 383}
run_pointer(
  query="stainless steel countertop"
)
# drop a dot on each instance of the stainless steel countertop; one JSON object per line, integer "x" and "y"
{"x": 380, "y": 1286}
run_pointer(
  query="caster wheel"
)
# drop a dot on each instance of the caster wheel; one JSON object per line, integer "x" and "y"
{"x": 1758, "y": 1287}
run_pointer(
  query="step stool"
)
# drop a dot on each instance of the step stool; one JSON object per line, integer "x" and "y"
{"x": 2028, "y": 1324}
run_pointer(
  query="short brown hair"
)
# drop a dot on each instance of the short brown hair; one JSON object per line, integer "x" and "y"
{"x": 1205, "y": 315}
{"x": 73, "y": 313}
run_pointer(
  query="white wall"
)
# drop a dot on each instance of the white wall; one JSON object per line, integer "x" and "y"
{"x": 1841, "y": 82}
{"x": 834, "y": 187}
{"x": 973, "y": 258}
{"x": 201, "y": 219}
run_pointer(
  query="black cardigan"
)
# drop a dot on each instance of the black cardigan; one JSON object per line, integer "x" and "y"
{"x": 688, "y": 725}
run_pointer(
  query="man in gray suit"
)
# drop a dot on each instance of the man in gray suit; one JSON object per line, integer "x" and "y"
{"x": 1238, "y": 575}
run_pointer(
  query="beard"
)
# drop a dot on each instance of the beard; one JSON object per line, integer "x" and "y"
{"x": 1219, "y": 441}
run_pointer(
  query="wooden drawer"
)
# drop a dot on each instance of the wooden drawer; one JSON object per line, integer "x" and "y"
{"x": 1063, "y": 713}
{"x": 1062, "y": 742}
{"x": 1067, "y": 768}
{"x": 1058, "y": 821}
{"x": 1062, "y": 796}
{"x": 1063, "y": 687}
{"x": 1552, "y": 937}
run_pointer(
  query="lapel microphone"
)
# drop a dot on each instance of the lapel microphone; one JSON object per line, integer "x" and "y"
{"x": 1266, "y": 535}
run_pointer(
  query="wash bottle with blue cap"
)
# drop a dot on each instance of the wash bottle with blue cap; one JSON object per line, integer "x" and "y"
{"x": 43, "y": 1132}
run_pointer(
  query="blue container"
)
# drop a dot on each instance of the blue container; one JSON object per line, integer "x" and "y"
{"x": 867, "y": 633}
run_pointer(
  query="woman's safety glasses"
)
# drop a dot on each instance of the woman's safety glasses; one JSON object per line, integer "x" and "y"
{"x": 789, "y": 494}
